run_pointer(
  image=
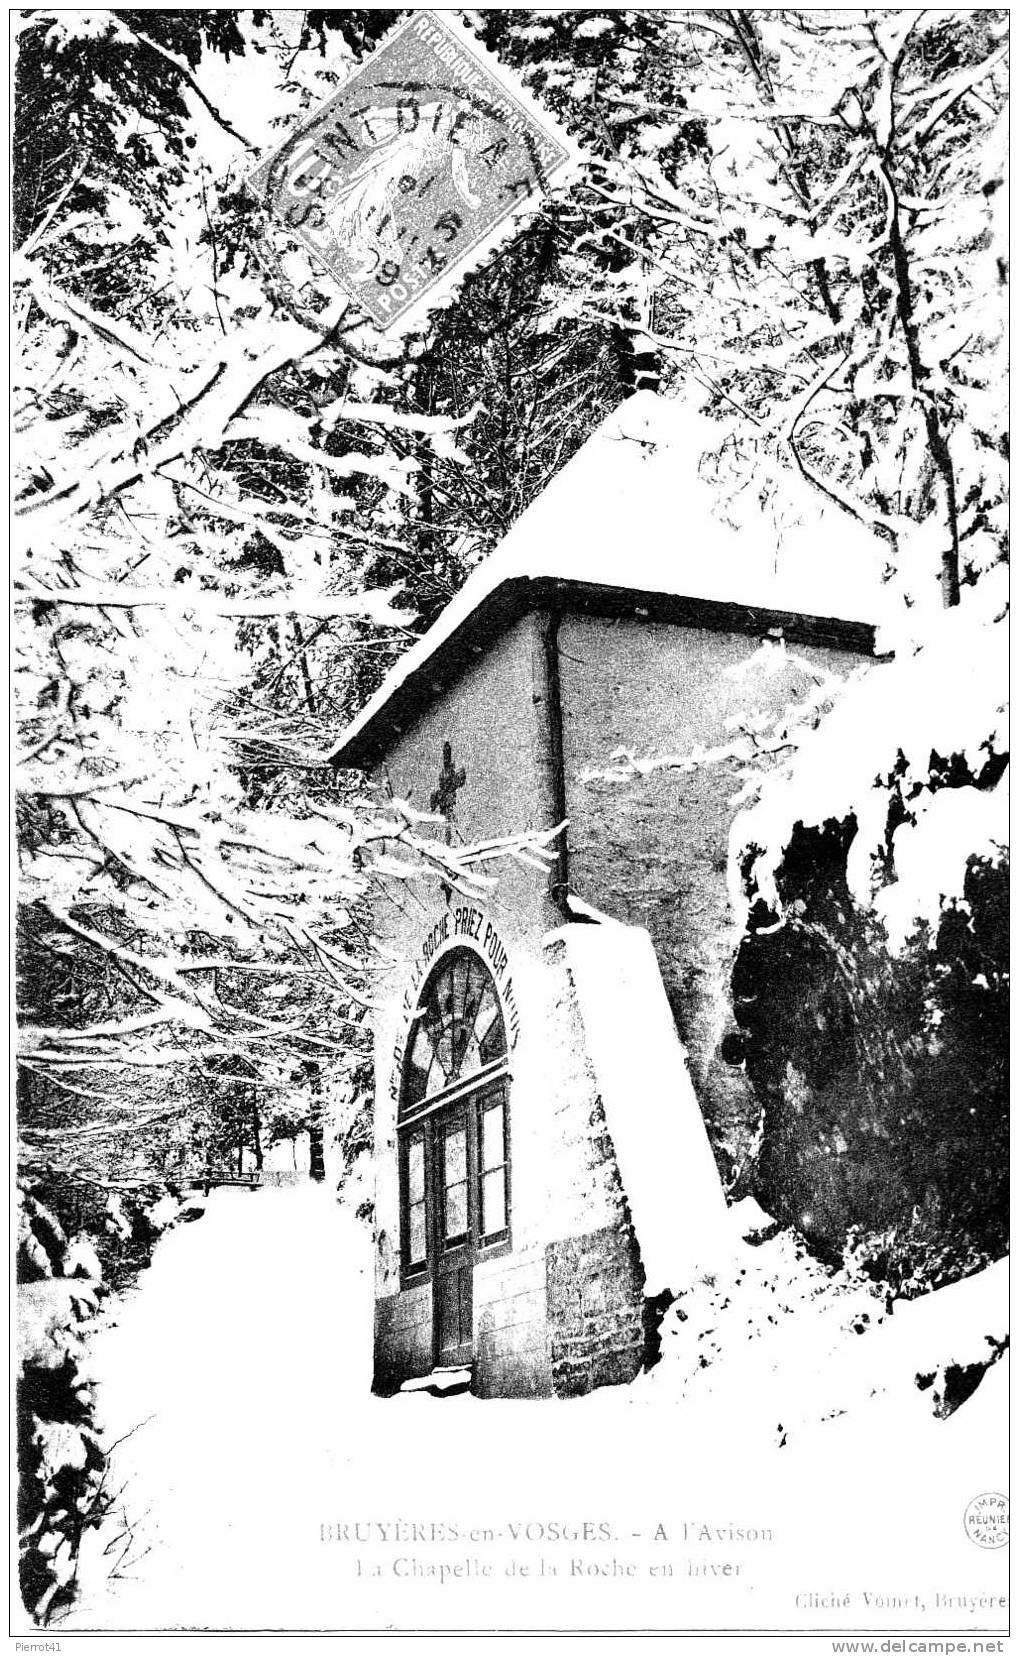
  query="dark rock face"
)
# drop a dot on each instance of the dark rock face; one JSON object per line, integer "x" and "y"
{"x": 883, "y": 1079}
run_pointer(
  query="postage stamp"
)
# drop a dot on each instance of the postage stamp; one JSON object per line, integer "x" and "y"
{"x": 422, "y": 162}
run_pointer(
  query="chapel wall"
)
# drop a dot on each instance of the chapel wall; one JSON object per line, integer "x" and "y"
{"x": 561, "y": 1310}
{"x": 403, "y": 1336}
{"x": 571, "y": 1318}
{"x": 593, "y": 1278}
{"x": 496, "y": 724}
{"x": 652, "y": 850}
{"x": 594, "y": 1291}
{"x": 511, "y": 1324}
{"x": 496, "y": 733}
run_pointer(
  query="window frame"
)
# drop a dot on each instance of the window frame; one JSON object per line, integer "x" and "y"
{"x": 486, "y": 1102}
{"x": 468, "y": 1098}
{"x": 414, "y": 1269}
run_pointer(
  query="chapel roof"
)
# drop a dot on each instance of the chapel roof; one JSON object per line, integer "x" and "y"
{"x": 632, "y": 525}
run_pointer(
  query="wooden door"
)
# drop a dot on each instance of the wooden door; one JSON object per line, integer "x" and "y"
{"x": 455, "y": 1228}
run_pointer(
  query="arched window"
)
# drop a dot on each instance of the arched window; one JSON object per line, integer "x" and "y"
{"x": 458, "y": 1029}
{"x": 453, "y": 1130}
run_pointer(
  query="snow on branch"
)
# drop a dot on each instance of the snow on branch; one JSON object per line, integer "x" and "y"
{"x": 373, "y": 606}
{"x": 65, "y": 307}
{"x": 392, "y": 419}
{"x": 123, "y": 30}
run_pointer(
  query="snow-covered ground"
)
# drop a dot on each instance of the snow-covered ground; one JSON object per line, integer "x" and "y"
{"x": 263, "y": 1487}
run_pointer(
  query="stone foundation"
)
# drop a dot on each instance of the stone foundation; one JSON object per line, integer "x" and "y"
{"x": 510, "y": 1327}
{"x": 594, "y": 1286}
{"x": 403, "y": 1338}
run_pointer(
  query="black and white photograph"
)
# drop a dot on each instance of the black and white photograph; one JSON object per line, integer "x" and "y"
{"x": 510, "y": 912}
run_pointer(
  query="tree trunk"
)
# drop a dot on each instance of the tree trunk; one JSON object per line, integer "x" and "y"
{"x": 936, "y": 439}
{"x": 316, "y": 1161}
{"x": 316, "y": 1135}
{"x": 256, "y": 1131}
{"x": 302, "y": 657}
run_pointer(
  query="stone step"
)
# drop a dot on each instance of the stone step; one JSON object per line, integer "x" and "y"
{"x": 442, "y": 1382}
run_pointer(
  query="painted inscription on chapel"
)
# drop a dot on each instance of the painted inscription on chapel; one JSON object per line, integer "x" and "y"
{"x": 472, "y": 927}
{"x": 420, "y": 162}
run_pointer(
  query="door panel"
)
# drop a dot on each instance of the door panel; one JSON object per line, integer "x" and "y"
{"x": 455, "y": 1319}
{"x": 468, "y": 1208}
{"x": 455, "y": 1191}
{"x": 456, "y": 1225}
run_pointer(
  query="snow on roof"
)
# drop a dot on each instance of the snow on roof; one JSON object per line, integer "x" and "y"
{"x": 631, "y": 511}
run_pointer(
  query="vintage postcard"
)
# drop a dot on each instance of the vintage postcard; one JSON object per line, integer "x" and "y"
{"x": 510, "y": 666}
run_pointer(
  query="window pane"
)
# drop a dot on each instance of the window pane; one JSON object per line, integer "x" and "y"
{"x": 461, "y": 1030}
{"x": 456, "y": 1156}
{"x": 417, "y": 1066}
{"x": 444, "y": 1059}
{"x": 492, "y": 1137}
{"x": 490, "y": 1031}
{"x": 471, "y": 1059}
{"x": 461, "y": 969}
{"x": 444, "y": 996}
{"x": 456, "y": 1210}
{"x": 493, "y": 1202}
{"x": 416, "y": 1232}
{"x": 488, "y": 1011}
{"x": 477, "y": 980}
{"x": 416, "y": 1168}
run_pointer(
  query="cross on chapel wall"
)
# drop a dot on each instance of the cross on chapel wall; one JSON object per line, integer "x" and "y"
{"x": 451, "y": 780}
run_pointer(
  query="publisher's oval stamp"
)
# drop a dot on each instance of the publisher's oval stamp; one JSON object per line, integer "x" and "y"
{"x": 415, "y": 169}
{"x": 986, "y": 1521}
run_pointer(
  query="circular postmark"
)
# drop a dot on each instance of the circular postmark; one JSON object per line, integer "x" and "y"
{"x": 425, "y": 160}
{"x": 986, "y": 1520}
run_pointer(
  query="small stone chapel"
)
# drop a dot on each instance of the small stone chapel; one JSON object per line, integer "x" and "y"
{"x": 546, "y": 1057}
